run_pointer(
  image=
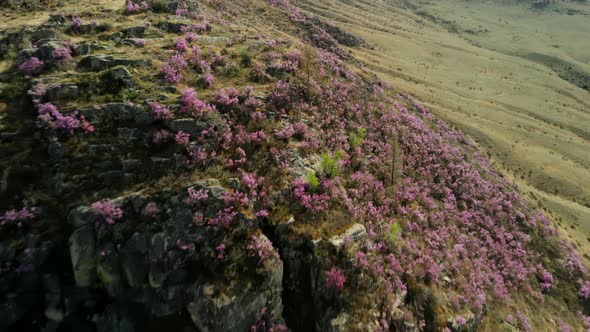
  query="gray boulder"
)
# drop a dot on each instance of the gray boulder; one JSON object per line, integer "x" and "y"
{"x": 83, "y": 255}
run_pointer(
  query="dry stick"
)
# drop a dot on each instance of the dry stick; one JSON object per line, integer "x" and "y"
{"x": 393, "y": 154}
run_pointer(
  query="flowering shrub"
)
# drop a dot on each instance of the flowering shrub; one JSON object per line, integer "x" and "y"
{"x": 133, "y": 8}
{"x": 228, "y": 97}
{"x": 260, "y": 247}
{"x": 50, "y": 117}
{"x": 62, "y": 53}
{"x": 460, "y": 320}
{"x": 335, "y": 279}
{"x": 107, "y": 210}
{"x": 190, "y": 103}
{"x": 151, "y": 210}
{"x": 547, "y": 279}
{"x": 523, "y": 322}
{"x": 182, "y": 138}
{"x": 308, "y": 198}
{"x": 161, "y": 136}
{"x": 297, "y": 130}
{"x": 160, "y": 112}
{"x": 196, "y": 196}
{"x": 76, "y": 22}
{"x": 17, "y": 217}
{"x": 264, "y": 322}
{"x": 172, "y": 70}
{"x": 31, "y": 66}
{"x": 585, "y": 290}
{"x": 181, "y": 45}
{"x": 207, "y": 80}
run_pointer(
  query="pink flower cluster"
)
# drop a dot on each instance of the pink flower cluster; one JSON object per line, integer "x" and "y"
{"x": 160, "y": 112}
{"x": 31, "y": 66}
{"x": 335, "y": 279}
{"x": 107, "y": 210}
{"x": 191, "y": 103}
{"x": 172, "y": 70}
{"x": 182, "y": 138}
{"x": 260, "y": 247}
{"x": 17, "y": 217}
{"x": 50, "y": 117}
{"x": 151, "y": 210}
{"x": 228, "y": 97}
{"x": 584, "y": 290}
{"x": 133, "y": 8}
{"x": 62, "y": 53}
{"x": 196, "y": 196}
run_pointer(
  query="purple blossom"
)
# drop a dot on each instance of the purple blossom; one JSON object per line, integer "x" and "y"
{"x": 182, "y": 138}
{"x": 335, "y": 279}
{"x": 584, "y": 291}
{"x": 31, "y": 66}
{"x": 161, "y": 136}
{"x": 181, "y": 45}
{"x": 160, "y": 112}
{"x": 18, "y": 217}
{"x": 151, "y": 210}
{"x": 77, "y": 22}
{"x": 191, "y": 103}
{"x": 196, "y": 196}
{"x": 261, "y": 247}
{"x": 207, "y": 80}
{"x": 62, "y": 53}
{"x": 228, "y": 97}
{"x": 220, "y": 249}
{"x": 107, "y": 210}
{"x": 133, "y": 8}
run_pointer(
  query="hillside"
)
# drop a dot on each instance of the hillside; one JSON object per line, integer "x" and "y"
{"x": 239, "y": 166}
{"x": 513, "y": 75}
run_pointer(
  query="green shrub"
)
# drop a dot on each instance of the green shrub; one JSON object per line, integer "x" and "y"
{"x": 312, "y": 179}
{"x": 357, "y": 139}
{"x": 330, "y": 166}
{"x": 394, "y": 232}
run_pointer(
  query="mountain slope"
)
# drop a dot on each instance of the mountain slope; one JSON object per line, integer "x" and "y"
{"x": 227, "y": 166}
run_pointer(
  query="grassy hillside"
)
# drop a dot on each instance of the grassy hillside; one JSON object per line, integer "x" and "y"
{"x": 513, "y": 76}
{"x": 248, "y": 165}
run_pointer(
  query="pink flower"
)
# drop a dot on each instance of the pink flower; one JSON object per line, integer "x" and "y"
{"x": 220, "y": 251}
{"x": 62, "y": 53}
{"x": 207, "y": 80}
{"x": 262, "y": 248}
{"x": 585, "y": 290}
{"x": 181, "y": 45}
{"x": 182, "y": 138}
{"x": 196, "y": 196}
{"x": 335, "y": 279}
{"x": 151, "y": 210}
{"x": 160, "y": 112}
{"x": 107, "y": 210}
{"x": 161, "y": 136}
{"x": 17, "y": 216}
{"x": 76, "y": 21}
{"x": 190, "y": 103}
{"x": 31, "y": 66}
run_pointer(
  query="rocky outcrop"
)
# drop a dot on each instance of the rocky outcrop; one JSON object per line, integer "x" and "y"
{"x": 242, "y": 301}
